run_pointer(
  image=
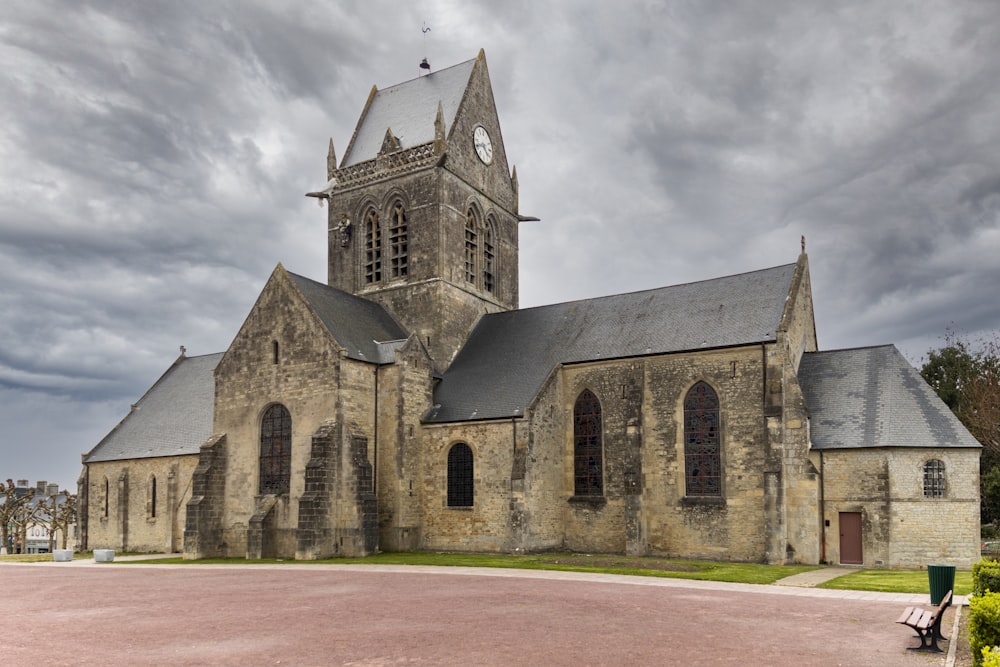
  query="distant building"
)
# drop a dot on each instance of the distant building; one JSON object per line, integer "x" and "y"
{"x": 39, "y": 539}
{"x": 409, "y": 404}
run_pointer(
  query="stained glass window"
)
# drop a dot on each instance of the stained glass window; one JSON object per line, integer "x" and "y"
{"x": 460, "y": 482}
{"x": 588, "y": 457}
{"x": 275, "y": 450}
{"x": 702, "y": 445}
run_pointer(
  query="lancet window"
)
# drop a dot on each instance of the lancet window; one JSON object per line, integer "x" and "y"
{"x": 373, "y": 247}
{"x": 471, "y": 246}
{"x": 275, "y": 450}
{"x": 460, "y": 476}
{"x": 588, "y": 455}
{"x": 489, "y": 258}
{"x": 702, "y": 442}
{"x": 398, "y": 242}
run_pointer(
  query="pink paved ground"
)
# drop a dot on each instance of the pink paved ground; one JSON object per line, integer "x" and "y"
{"x": 306, "y": 615}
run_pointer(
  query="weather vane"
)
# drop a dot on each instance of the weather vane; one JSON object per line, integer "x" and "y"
{"x": 423, "y": 63}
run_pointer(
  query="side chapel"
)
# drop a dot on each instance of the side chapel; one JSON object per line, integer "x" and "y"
{"x": 408, "y": 404}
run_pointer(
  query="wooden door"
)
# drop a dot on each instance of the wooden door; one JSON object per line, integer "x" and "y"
{"x": 850, "y": 538}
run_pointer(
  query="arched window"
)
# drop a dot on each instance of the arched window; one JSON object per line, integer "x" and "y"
{"x": 275, "y": 450}
{"x": 588, "y": 457}
{"x": 489, "y": 259}
{"x": 397, "y": 242}
{"x": 107, "y": 496}
{"x": 275, "y": 352}
{"x": 471, "y": 245}
{"x": 152, "y": 496}
{"x": 934, "y": 486}
{"x": 702, "y": 443}
{"x": 460, "y": 484}
{"x": 373, "y": 248}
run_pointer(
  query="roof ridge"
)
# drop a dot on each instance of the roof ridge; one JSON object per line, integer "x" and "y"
{"x": 423, "y": 76}
{"x": 644, "y": 291}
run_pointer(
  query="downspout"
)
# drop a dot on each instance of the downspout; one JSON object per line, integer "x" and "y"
{"x": 822, "y": 509}
{"x": 513, "y": 451}
{"x": 763, "y": 366}
{"x": 375, "y": 439}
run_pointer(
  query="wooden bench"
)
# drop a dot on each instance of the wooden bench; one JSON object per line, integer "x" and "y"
{"x": 927, "y": 623}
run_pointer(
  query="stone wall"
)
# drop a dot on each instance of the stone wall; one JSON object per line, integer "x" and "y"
{"x": 312, "y": 381}
{"x": 137, "y": 517}
{"x": 484, "y": 526}
{"x": 901, "y": 528}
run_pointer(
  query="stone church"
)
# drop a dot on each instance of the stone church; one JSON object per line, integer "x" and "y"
{"x": 408, "y": 404}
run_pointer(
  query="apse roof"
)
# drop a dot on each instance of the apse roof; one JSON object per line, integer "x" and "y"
{"x": 873, "y": 397}
{"x": 508, "y": 355}
{"x": 173, "y": 418}
{"x": 409, "y": 110}
{"x": 360, "y": 326}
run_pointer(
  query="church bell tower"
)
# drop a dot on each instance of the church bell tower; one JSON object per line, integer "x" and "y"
{"x": 423, "y": 207}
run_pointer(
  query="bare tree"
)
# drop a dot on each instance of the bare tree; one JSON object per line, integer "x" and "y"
{"x": 28, "y": 516}
{"x": 47, "y": 516}
{"x": 11, "y": 509}
{"x": 66, "y": 516}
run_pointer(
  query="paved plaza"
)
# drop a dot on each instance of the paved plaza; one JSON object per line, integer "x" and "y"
{"x": 82, "y": 613}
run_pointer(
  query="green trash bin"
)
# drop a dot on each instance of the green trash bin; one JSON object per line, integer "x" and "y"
{"x": 942, "y": 580}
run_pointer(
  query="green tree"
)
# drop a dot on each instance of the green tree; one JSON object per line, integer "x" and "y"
{"x": 966, "y": 375}
{"x": 948, "y": 370}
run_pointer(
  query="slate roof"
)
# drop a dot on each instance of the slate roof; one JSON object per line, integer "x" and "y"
{"x": 360, "y": 326}
{"x": 173, "y": 418}
{"x": 873, "y": 397}
{"x": 409, "y": 109}
{"x": 509, "y": 355}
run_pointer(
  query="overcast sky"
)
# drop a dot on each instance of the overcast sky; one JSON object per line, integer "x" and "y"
{"x": 154, "y": 158}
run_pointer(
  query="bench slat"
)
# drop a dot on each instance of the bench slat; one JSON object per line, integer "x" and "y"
{"x": 905, "y": 615}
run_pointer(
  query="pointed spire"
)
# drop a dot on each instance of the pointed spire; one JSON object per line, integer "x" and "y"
{"x": 331, "y": 161}
{"x": 389, "y": 143}
{"x": 513, "y": 182}
{"x": 439, "y": 131}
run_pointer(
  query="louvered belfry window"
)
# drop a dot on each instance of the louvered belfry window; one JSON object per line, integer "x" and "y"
{"x": 471, "y": 246}
{"x": 702, "y": 442}
{"x": 398, "y": 259}
{"x": 373, "y": 248}
{"x": 489, "y": 259}
{"x": 588, "y": 457}
{"x": 275, "y": 450}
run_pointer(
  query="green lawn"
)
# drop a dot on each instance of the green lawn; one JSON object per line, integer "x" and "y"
{"x": 751, "y": 573}
{"x": 895, "y": 581}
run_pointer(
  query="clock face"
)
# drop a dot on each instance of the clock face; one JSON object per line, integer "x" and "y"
{"x": 484, "y": 148}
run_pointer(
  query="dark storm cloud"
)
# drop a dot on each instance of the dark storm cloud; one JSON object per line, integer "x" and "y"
{"x": 154, "y": 157}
